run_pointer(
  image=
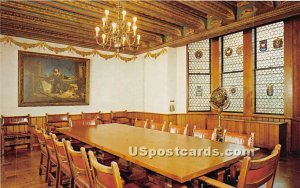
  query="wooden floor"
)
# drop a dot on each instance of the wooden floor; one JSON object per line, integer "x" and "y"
{"x": 20, "y": 169}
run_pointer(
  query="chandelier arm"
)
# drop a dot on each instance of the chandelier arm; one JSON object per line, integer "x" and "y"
{"x": 133, "y": 42}
{"x": 103, "y": 44}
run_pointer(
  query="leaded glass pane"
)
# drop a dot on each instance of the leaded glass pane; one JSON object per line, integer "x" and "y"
{"x": 233, "y": 83}
{"x": 199, "y": 76}
{"x": 232, "y": 75}
{"x": 202, "y": 64}
{"x": 269, "y": 69}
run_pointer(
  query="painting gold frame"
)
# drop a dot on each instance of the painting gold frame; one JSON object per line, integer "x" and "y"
{"x": 52, "y": 80}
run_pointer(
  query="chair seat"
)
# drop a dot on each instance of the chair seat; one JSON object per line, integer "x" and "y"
{"x": 122, "y": 120}
{"x": 174, "y": 185}
{"x": 131, "y": 185}
{"x": 152, "y": 185}
{"x": 82, "y": 181}
{"x": 238, "y": 165}
{"x": 124, "y": 166}
{"x": 138, "y": 175}
{"x": 178, "y": 185}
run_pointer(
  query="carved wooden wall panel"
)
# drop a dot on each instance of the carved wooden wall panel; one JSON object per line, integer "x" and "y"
{"x": 160, "y": 23}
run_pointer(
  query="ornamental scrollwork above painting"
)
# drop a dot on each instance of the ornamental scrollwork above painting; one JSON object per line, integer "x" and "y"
{"x": 57, "y": 50}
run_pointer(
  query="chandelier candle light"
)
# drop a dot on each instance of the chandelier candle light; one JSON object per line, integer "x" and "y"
{"x": 119, "y": 34}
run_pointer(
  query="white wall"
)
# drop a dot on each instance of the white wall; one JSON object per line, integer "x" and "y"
{"x": 172, "y": 73}
{"x": 114, "y": 84}
{"x": 143, "y": 85}
{"x": 156, "y": 84}
{"x": 165, "y": 80}
{"x": 181, "y": 80}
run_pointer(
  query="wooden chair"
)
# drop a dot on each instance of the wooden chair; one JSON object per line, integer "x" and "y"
{"x": 92, "y": 115}
{"x": 141, "y": 123}
{"x": 105, "y": 176}
{"x": 211, "y": 135}
{"x": 83, "y": 122}
{"x": 54, "y": 121}
{"x": 79, "y": 166}
{"x": 44, "y": 160}
{"x": 53, "y": 162}
{"x": 158, "y": 126}
{"x": 242, "y": 139}
{"x": 63, "y": 162}
{"x": 103, "y": 156}
{"x": 120, "y": 117}
{"x": 15, "y": 131}
{"x": 238, "y": 138}
{"x": 178, "y": 129}
{"x": 204, "y": 133}
{"x": 254, "y": 173}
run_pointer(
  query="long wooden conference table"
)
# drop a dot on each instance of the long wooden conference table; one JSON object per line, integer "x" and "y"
{"x": 118, "y": 138}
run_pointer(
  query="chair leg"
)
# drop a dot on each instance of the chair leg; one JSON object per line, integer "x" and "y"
{"x": 60, "y": 178}
{"x": 57, "y": 176}
{"x": 220, "y": 175}
{"x": 47, "y": 169}
{"x": 72, "y": 182}
{"x": 269, "y": 183}
{"x": 232, "y": 173}
{"x": 41, "y": 163}
{"x": 49, "y": 173}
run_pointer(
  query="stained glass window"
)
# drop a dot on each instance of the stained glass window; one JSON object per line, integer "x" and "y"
{"x": 232, "y": 70}
{"x": 199, "y": 76}
{"x": 269, "y": 69}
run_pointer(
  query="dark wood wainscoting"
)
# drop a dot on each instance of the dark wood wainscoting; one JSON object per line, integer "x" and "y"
{"x": 269, "y": 130}
{"x": 295, "y": 130}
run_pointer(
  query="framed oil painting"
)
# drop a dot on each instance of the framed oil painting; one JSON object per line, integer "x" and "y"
{"x": 52, "y": 80}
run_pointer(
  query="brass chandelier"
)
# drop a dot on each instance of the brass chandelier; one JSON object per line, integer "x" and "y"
{"x": 119, "y": 34}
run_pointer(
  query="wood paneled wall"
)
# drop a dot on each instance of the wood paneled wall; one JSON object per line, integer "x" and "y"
{"x": 267, "y": 130}
{"x": 295, "y": 145}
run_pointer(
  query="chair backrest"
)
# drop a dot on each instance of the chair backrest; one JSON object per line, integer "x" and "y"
{"x": 158, "y": 126}
{"x": 60, "y": 149}
{"x": 15, "y": 120}
{"x": 173, "y": 128}
{"x": 83, "y": 122}
{"x": 91, "y": 115}
{"x": 105, "y": 176}
{"x": 204, "y": 133}
{"x": 120, "y": 117}
{"x": 140, "y": 123}
{"x": 239, "y": 138}
{"x": 255, "y": 173}
{"x": 49, "y": 143}
{"x": 41, "y": 139}
{"x": 78, "y": 162}
{"x": 178, "y": 129}
{"x": 8, "y": 124}
{"x": 119, "y": 114}
{"x": 39, "y": 134}
{"x": 61, "y": 120}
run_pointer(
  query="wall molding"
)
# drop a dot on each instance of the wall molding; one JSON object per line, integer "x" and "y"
{"x": 44, "y": 45}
